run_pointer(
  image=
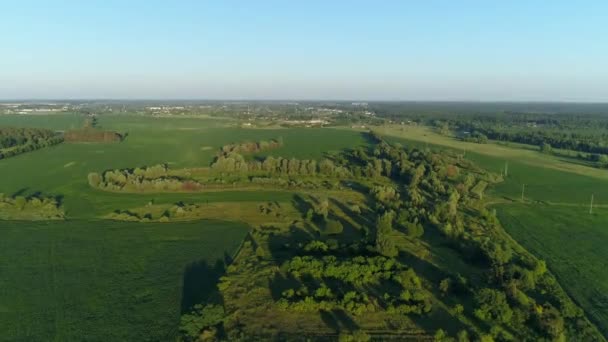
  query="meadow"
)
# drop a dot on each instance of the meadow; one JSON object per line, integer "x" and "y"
{"x": 73, "y": 280}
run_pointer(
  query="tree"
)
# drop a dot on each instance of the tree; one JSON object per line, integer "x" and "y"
{"x": 201, "y": 317}
{"x": 94, "y": 179}
{"x": 492, "y": 306}
{"x": 546, "y": 148}
{"x": 444, "y": 286}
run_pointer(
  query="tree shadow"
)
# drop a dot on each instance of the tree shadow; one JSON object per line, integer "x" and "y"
{"x": 280, "y": 283}
{"x": 199, "y": 284}
{"x": 284, "y": 246}
{"x": 19, "y": 192}
{"x": 338, "y": 320}
{"x": 301, "y": 205}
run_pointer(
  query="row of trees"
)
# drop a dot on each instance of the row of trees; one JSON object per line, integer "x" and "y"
{"x": 251, "y": 147}
{"x": 153, "y": 178}
{"x": 14, "y": 141}
{"x": 234, "y": 162}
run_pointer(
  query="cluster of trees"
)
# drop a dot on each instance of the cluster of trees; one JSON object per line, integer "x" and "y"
{"x": 441, "y": 192}
{"x": 251, "y": 147}
{"x": 33, "y": 207}
{"x": 15, "y": 141}
{"x": 152, "y": 178}
{"x": 92, "y": 135}
{"x": 329, "y": 283}
{"x": 476, "y": 137}
{"x": 234, "y": 162}
{"x": 177, "y": 211}
{"x": 203, "y": 323}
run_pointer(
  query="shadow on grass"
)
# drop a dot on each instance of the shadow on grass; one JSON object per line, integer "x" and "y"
{"x": 338, "y": 320}
{"x": 200, "y": 284}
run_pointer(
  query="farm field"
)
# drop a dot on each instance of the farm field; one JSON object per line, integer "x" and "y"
{"x": 128, "y": 276}
{"x": 103, "y": 269}
{"x": 73, "y": 280}
{"x": 63, "y": 121}
{"x": 159, "y": 141}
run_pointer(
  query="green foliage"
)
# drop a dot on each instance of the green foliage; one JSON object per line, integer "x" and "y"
{"x": 34, "y": 207}
{"x": 492, "y": 306}
{"x": 201, "y": 317}
{"x": 14, "y": 141}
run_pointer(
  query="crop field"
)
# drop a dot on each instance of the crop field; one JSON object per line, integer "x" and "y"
{"x": 573, "y": 242}
{"x": 62, "y": 170}
{"x": 73, "y": 280}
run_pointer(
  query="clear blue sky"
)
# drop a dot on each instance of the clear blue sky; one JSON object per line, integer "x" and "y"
{"x": 368, "y": 50}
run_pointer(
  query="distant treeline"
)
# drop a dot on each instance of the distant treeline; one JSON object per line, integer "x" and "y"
{"x": 558, "y": 139}
{"x": 153, "y": 178}
{"x": 15, "y": 141}
{"x": 250, "y": 147}
{"x": 92, "y": 135}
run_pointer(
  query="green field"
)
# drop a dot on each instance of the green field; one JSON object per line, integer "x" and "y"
{"x": 73, "y": 280}
{"x": 62, "y": 170}
{"x": 573, "y": 243}
{"x": 51, "y": 121}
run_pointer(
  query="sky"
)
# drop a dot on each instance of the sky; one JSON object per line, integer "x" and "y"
{"x": 429, "y": 50}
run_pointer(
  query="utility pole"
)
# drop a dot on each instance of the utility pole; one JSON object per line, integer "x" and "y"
{"x": 523, "y": 189}
{"x": 591, "y": 205}
{"x": 506, "y": 168}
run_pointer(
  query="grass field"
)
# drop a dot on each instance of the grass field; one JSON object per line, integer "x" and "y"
{"x": 71, "y": 281}
{"x": 573, "y": 243}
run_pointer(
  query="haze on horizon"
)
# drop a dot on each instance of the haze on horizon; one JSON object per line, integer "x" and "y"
{"x": 390, "y": 50}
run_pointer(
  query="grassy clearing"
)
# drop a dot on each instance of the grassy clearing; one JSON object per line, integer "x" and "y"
{"x": 104, "y": 280}
{"x": 573, "y": 243}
